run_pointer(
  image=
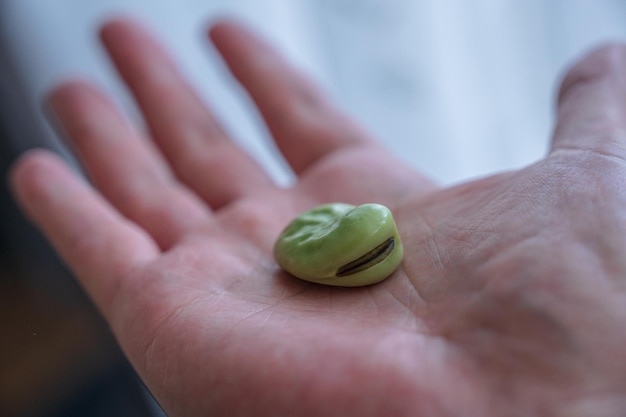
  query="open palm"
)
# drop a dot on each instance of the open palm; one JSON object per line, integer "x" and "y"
{"x": 509, "y": 300}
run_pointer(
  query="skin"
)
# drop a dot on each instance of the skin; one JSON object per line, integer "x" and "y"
{"x": 510, "y": 302}
{"x": 340, "y": 244}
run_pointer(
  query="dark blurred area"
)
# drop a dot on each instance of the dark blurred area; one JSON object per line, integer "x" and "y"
{"x": 57, "y": 356}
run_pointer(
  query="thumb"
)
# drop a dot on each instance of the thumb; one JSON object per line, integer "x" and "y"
{"x": 591, "y": 111}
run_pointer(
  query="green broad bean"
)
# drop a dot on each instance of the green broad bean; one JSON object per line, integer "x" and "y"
{"x": 341, "y": 245}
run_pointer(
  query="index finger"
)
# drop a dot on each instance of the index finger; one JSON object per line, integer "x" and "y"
{"x": 304, "y": 125}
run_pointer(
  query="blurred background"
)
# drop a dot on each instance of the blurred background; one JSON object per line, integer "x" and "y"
{"x": 457, "y": 89}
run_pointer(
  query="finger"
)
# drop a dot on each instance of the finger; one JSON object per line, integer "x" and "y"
{"x": 125, "y": 167}
{"x": 592, "y": 104}
{"x": 97, "y": 243}
{"x": 188, "y": 135}
{"x": 304, "y": 126}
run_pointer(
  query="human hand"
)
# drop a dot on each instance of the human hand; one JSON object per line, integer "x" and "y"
{"x": 510, "y": 300}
